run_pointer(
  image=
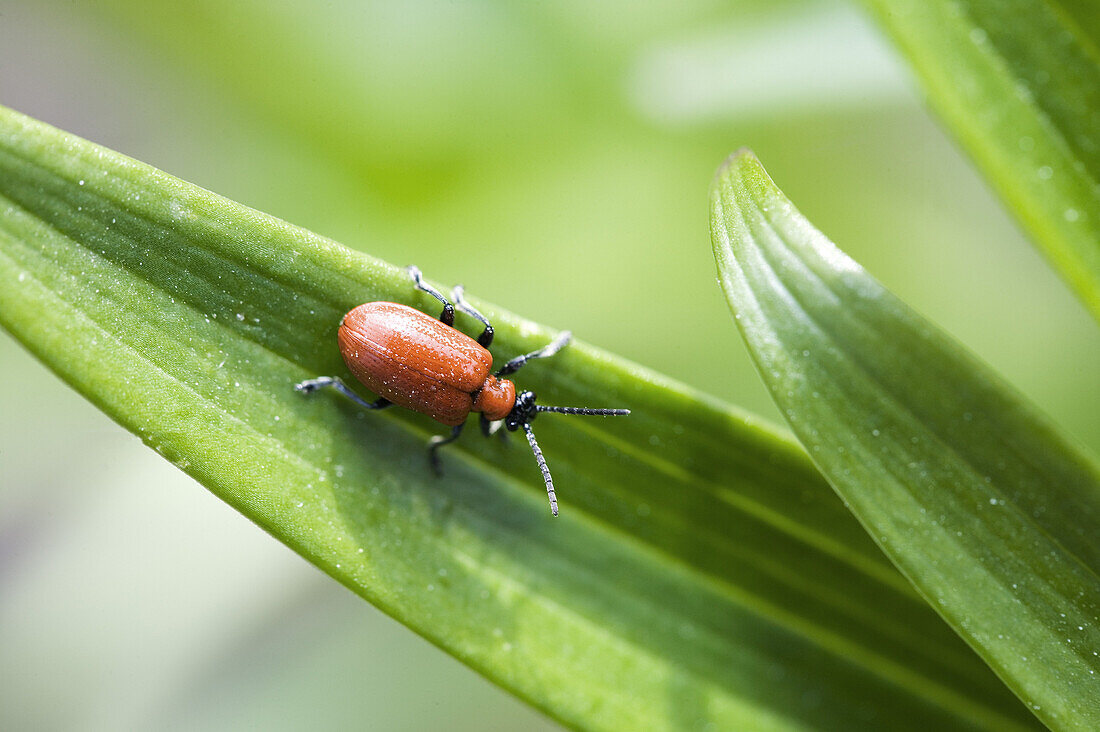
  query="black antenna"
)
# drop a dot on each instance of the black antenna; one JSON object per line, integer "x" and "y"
{"x": 585, "y": 410}
{"x": 538, "y": 453}
{"x": 542, "y": 466}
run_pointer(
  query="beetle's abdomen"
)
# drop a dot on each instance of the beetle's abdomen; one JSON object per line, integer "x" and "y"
{"x": 414, "y": 360}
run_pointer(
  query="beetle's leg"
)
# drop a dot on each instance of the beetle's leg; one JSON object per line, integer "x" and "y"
{"x": 490, "y": 428}
{"x": 548, "y": 350}
{"x": 439, "y": 441}
{"x": 448, "y": 314}
{"x": 311, "y": 385}
{"x": 458, "y": 295}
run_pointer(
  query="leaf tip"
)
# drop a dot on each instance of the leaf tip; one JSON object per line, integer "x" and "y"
{"x": 736, "y": 161}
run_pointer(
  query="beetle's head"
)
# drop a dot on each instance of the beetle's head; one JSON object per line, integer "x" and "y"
{"x": 523, "y": 411}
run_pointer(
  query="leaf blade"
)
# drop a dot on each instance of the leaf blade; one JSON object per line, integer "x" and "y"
{"x": 1019, "y": 85}
{"x": 977, "y": 499}
{"x": 658, "y": 599}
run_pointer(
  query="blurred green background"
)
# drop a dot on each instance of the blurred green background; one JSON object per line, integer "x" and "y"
{"x": 556, "y": 159}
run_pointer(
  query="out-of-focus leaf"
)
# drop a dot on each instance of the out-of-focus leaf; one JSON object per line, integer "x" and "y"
{"x": 701, "y": 571}
{"x": 1019, "y": 84}
{"x": 980, "y": 503}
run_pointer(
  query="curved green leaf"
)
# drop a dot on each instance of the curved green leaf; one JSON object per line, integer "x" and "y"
{"x": 1019, "y": 84}
{"x": 701, "y": 570}
{"x": 989, "y": 512}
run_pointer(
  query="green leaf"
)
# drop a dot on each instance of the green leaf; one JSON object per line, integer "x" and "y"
{"x": 1019, "y": 84}
{"x": 979, "y": 502}
{"x": 701, "y": 570}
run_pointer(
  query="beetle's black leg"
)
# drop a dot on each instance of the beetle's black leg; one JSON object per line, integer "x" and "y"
{"x": 548, "y": 350}
{"x": 439, "y": 441}
{"x": 458, "y": 295}
{"x": 490, "y": 428}
{"x": 311, "y": 385}
{"x": 448, "y": 314}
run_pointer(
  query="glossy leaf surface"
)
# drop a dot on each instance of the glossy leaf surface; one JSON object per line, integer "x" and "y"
{"x": 1019, "y": 84}
{"x": 981, "y": 503}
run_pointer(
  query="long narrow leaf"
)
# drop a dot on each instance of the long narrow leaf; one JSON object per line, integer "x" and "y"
{"x": 989, "y": 512}
{"x": 701, "y": 570}
{"x": 1019, "y": 84}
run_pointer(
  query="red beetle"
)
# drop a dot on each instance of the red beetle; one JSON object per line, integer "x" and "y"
{"x": 409, "y": 359}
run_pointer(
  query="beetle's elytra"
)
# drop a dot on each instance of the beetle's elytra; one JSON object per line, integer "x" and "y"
{"x": 414, "y": 361}
{"x": 419, "y": 363}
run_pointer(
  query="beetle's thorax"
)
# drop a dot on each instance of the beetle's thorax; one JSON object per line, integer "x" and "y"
{"x": 496, "y": 398}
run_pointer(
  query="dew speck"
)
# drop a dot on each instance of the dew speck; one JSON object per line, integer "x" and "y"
{"x": 1046, "y": 172}
{"x": 1071, "y": 215}
{"x": 80, "y": 183}
{"x": 240, "y": 317}
{"x": 875, "y": 433}
{"x": 978, "y": 36}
